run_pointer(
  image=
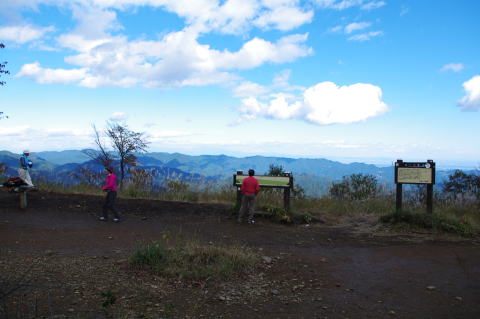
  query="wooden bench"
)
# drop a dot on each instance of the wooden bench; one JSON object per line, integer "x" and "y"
{"x": 22, "y": 192}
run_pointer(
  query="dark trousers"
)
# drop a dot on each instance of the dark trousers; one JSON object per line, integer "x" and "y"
{"x": 248, "y": 206}
{"x": 110, "y": 204}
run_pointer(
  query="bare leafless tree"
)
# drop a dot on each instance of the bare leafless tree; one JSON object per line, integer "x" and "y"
{"x": 101, "y": 155}
{"x": 125, "y": 143}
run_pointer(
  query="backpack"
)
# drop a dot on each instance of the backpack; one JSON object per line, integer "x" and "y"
{"x": 14, "y": 182}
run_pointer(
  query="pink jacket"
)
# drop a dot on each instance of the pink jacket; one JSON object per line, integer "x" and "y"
{"x": 111, "y": 183}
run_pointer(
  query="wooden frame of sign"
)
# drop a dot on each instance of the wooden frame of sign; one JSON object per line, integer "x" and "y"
{"x": 265, "y": 181}
{"x": 415, "y": 173}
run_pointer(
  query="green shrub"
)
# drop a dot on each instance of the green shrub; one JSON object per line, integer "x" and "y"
{"x": 284, "y": 216}
{"x": 355, "y": 187}
{"x": 430, "y": 221}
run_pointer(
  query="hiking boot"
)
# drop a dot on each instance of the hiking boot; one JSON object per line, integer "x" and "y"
{"x": 116, "y": 220}
{"x": 103, "y": 219}
{"x": 251, "y": 221}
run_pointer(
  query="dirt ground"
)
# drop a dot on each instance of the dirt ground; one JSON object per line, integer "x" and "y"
{"x": 58, "y": 261}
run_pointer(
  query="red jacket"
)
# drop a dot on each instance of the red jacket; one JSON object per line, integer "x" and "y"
{"x": 250, "y": 186}
{"x": 111, "y": 183}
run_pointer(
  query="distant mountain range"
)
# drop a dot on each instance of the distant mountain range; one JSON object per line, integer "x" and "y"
{"x": 314, "y": 175}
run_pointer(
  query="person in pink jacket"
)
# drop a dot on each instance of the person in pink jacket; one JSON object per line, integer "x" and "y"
{"x": 111, "y": 189}
{"x": 250, "y": 188}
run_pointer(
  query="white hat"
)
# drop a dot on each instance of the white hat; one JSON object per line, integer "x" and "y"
{"x": 26, "y": 152}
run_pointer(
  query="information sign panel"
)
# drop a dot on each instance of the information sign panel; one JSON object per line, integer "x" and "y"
{"x": 414, "y": 172}
{"x": 408, "y": 175}
{"x": 273, "y": 181}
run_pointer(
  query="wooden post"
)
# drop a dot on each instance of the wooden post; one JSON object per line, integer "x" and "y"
{"x": 239, "y": 197}
{"x": 398, "y": 203}
{"x": 429, "y": 198}
{"x": 286, "y": 199}
{"x": 23, "y": 199}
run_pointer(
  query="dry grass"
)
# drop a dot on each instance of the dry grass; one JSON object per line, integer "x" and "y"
{"x": 192, "y": 260}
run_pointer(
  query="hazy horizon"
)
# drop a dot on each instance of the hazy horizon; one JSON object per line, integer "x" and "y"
{"x": 380, "y": 162}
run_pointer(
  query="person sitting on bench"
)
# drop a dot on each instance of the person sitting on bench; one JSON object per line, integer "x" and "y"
{"x": 25, "y": 165}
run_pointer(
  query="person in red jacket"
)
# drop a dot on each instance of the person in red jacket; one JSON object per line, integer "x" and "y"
{"x": 250, "y": 188}
{"x": 111, "y": 189}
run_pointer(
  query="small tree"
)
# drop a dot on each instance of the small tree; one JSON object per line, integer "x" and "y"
{"x": 355, "y": 186}
{"x": 275, "y": 170}
{"x": 125, "y": 143}
{"x": 459, "y": 183}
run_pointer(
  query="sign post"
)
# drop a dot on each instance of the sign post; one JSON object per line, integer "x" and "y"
{"x": 415, "y": 173}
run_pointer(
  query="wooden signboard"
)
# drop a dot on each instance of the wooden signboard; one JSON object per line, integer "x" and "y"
{"x": 265, "y": 181}
{"x": 415, "y": 173}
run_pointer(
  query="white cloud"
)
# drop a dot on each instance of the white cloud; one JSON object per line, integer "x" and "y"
{"x": 336, "y": 29}
{"x": 455, "y": 67}
{"x": 322, "y": 104}
{"x": 227, "y": 17}
{"x": 327, "y": 103}
{"x": 281, "y": 79}
{"x": 284, "y": 18}
{"x": 356, "y": 26}
{"x": 338, "y": 4}
{"x": 365, "y": 36}
{"x": 373, "y": 5}
{"x": 176, "y": 59}
{"x": 27, "y": 137}
{"x": 118, "y": 117}
{"x": 50, "y": 76}
{"x": 248, "y": 89}
{"x": 471, "y": 101}
{"x": 14, "y": 131}
{"x": 345, "y": 4}
{"x": 23, "y": 34}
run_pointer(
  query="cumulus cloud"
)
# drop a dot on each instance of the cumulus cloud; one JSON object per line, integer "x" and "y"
{"x": 471, "y": 101}
{"x": 455, "y": 67}
{"x": 178, "y": 58}
{"x": 365, "y": 36}
{"x": 322, "y": 104}
{"x": 23, "y": 34}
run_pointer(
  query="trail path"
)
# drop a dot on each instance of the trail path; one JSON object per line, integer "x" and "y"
{"x": 318, "y": 271}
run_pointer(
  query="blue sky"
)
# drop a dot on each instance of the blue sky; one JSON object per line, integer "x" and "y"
{"x": 342, "y": 79}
